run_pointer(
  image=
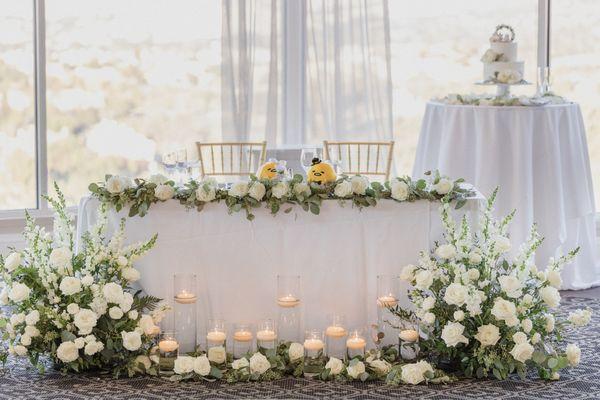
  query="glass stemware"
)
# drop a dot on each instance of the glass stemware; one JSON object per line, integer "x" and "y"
{"x": 306, "y": 157}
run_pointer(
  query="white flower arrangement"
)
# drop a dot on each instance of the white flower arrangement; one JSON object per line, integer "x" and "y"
{"x": 76, "y": 309}
{"x": 485, "y": 314}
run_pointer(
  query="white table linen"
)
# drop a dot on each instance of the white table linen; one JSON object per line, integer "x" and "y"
{"x": 538, "y": 157}
{"x": 338, "y": 254}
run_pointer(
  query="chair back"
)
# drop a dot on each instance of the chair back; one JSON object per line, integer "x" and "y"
{"x": 361, "y": 158}
{"x": 230, "y": 158}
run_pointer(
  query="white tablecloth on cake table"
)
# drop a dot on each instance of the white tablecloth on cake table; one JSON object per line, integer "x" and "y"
{"x": 538, "y": 157}
{"x": 338, "y": 254}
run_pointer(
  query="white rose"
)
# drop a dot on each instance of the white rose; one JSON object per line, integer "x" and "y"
{"x": 502, "y": 244}
{"x": 456, "y": 294}
{"x": 444, "y": 186}
{"x": 87, "y": 280}
{"x": 527, "y": 325}
{"x": 580, "y": 317}
{"x": 122, "y": 261}
{"x": 415, "y": 373}
{"x": 4, "y": 296}
{"x": 164, "y": 192}
{"x": 550, "y": 323}
{"x": 527, "y": 299}
{"x": 573, "y": 353}
{"x": 257, "y": 191}
{"x": 217, "y": 354}
{"x": 475, "y": 258}
{"x": 115, "y": 313}
{"x": 239, "y": 364}
{"x": 356, "y": 370}
{"x": 343, "y": 189}
{"x": 61, "y": 259}
{"x": 506, "y": 311}
{"x": 428, "y": 303}
{"x": 452, "y": 334}
{"x": 158, "y": 179}
{"x": 25, "y": 340}
{"x": 127, "y": 302}
{"x": 131, "y": 340}
{"x": 408, "y": 273}
{"x": 280, "y": 189}
{"x": 541, "y": 275}
{"x": 428, "y": 318}
{"x": 550, "y": 296}
{"x": 113, "y": 293}
{"x": 302, "y": 189}
{"x": 32, "y": 331}
{"x": 70, "y": 285}
{"x": 18, "y": 292}
{"x": 20, "y": 350}
{"x": 296, "y": 351}
{"x": 144, "y": 361}
{"x": 554, "y": 279}
{"x": 381, "y": 366}
{"x": 536, "y": 338}
{"x": 459, "y": 315}
{"x": 147, "y": 324}
{"x": 32, "y": 317}
{"x": 335, "y": 366}
{"x": 130, "y": 274}
{"x": 206, "y": 193}
{"x": 12, "y": 261}
{"x": 399, "y": 190}
{"x": 72, "y": 308}
{"x": 360, "y": 184}
{"x": 183, "y": 365}
{"x": 522, "y": 352}
{"x": 79, "y": 342}
{"x": 133, "y": 314}
{"x": 98, "y": 305}
{"x": 67, "y": 352}
{"x": 489, "y": 56}
{"x": 423, "y": 279}
{"x": 519, "y": 337}
{"x": 85, "y": 320}
{"x": 555, "y": 376}
{"x": 446, "y": 251}
{"x": 116, "y": 184}
{"x": 259, "y": 364}
{"x": 17, "y": 319}
{"x": 202, "y": 366}
{"x": 238, "y": 189}
{"x": 473, "y": 274}
{"x": 511, "y": 286}
{"x": 509, "y": 76}
{"x": 488, "y": 335}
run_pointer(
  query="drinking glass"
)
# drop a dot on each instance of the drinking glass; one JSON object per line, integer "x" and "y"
{"x": 306, "y": 157}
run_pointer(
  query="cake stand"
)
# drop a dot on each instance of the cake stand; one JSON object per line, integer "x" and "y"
{"x": 502, "y": 89}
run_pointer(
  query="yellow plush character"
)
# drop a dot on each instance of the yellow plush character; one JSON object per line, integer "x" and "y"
{"x": 320, "y": 172}
{"x": 268, "y": 170}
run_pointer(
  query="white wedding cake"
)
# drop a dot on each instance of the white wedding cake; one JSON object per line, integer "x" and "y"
{"x": 500, "y": 63}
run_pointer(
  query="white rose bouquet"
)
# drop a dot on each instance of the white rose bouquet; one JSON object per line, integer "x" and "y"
{"x": 485, "y": 314}
{"x": 76, "y": 308}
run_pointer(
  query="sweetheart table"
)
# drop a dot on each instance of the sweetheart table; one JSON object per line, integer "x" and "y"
{"x": 538, "y": 157}
{"x": 338, "y": 254}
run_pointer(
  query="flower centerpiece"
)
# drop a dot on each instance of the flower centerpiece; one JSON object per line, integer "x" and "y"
{"x": 77, "y": 309}
{"x": 485, "y": 313}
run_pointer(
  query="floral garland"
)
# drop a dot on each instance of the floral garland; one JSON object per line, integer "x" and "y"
{"x": 276, "y": 194}
{"x": 500, "y": 101}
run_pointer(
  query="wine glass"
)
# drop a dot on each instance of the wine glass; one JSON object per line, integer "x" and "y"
{"x": 306, "y": 157}
{"x": 168, "y": 162}
{"x": 182, "y": 164}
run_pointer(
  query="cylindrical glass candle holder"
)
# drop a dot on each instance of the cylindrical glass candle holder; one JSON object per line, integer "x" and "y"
{"x": 242, "y": 340}
{"x": 216, "y": 334}
{"x": 388, "y": 287}
{"x": 266, "y": 335}
{"x": 335, "y": 336}
{"x": 185, "y": 311}
{"x": 355, "y": 344}
{"x": 314, "y": 356}
{"x": 288, "y": 300}
{"x": 408, "y": 340}
{"x": 168, "y": 347}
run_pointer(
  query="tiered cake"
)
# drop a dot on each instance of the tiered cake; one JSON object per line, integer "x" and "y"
{"x": 500, "y": 63}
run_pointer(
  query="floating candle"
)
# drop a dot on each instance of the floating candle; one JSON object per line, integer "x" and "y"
{"x": 387, "y": 301}
{"x": 242, "y": 336}
{"x": 266, "y": 335}
{"x": 335, "y": 331}
{"x": 409, "y": 335}
{"x": 216, "y": 336}
{"x": 185, "y": 297}
{"x": 288, "y": 301}
{"x": 356, "y": 343}
{"x": 313, "y": 344}
{"x": 168, "y": 345}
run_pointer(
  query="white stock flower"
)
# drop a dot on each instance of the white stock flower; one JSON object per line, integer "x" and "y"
{"x": 527, "y": 325}
{"x": 280, "y": 189}
{"x": 428, "y": 318}
{"x": 335, "y": 366}
{"x": 158, "y": 179}
{"x": 296, "y": 351}
{"x": 550, "y": 296}
{"x": 18, "y": 292}
{"x": 67, "y": 352}
{"x": 459, "y": 315}
{"x": 511, "y": 285}
{"x": 446, "y": 251}
{"x": 408, "y": 273}
{"x": 444, "y": 186}
{"x": 259, "y": 364}
{"x": 381, "y": 366}
{"x": 502, "y": 244}
{"x": 506, "y": 311}
{"x": 302, "y": 189}
{"x": 488, "y": 335}
{"x": 85, "y": 320}
{"x": 554, "y": 279}
{"x": 360, "y": 184}
{"x": 257, "y": 191}
{"x": 164, "y": 192}
{"x": 343, "y": 189}
{"x": 423, "y": 279}
{"x": 240, "y": 363}
{"x": 202, "y": 365}
{"x": 549, "y": 323}
{"x": 217, "y": 354}
{"x": 475, "y": 258}
{"x": 113, "y": 293}
{"x": 573, "y": 353}
{"x": 580, "y": 317}
{"x": 522, "y": 351}
{"x": 183, "y": 365}
{"x": 32, "y": 317}
{"x": 456, "y": 294}
{"x": 131, "y": 340}
{"x": 238, "y": 189}
{"x": 206, "y": 193}
{"x": 115, "y": 312}
{"x": 356, "y": 370}
{"x": 130, "y": 274}
{"x": 70, "y": 285}
{"x": 12, "y": 261}
{"x": 399, "y": 190}
{"x": 72, "y": 308}
{"x": 452, "y": 334}
{"x": 116, "y": 184}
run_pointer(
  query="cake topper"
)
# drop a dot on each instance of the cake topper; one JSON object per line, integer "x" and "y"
{"x": 503, "y": 33}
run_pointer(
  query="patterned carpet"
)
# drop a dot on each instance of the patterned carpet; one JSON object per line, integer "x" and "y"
{"x": 583, "y": 382}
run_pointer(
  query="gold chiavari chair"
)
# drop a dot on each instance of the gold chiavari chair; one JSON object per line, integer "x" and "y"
{"x": 230, "y": 158}
{"x": 361, "y": 158}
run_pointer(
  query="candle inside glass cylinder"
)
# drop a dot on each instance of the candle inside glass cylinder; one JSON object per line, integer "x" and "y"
{"x": 288, "y": 301}
{"x": 356, "y": 343}
{"x": 185, "y": 297}
{"x": 335, "y": 331}
{"x": 387, "y": 301}
{"x": 409, "y": 335}
{"x": 266, "y": 335}
{"x": 168, "y": 345}
{"x": 216, "y": 336}
{"x": 313, "y": 344}
{"x": 242, "y": 336}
